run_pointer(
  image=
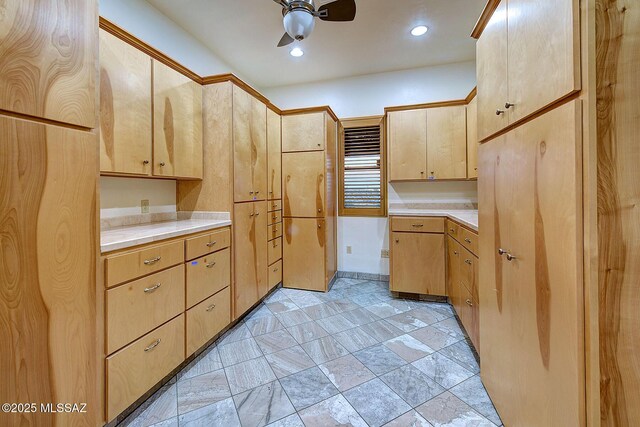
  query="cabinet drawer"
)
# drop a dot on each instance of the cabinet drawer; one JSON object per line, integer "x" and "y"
{"x": 274, "y": 250}
{"x": 142, "y": 305}
{"x": 469, "y": 240}
{"x": 274, "y": 231}
{"x": 469, "y": 316}
{"x": 275, "y": 274}
{"x": 139, "y": 366}
{"x": 208, "y": 318}
{"x": 417, "y": 224}
{"x": 208, "y": 275}
{"x": 274, "y": 217}
{"x": 274, "y": 205}
{"x": 468, "y": 272}
{"x": 453, "y": 229}
{"x": 207, "y": 243}
{"x": 134, "y": 264}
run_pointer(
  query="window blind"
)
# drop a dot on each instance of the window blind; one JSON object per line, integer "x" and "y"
{"x": 362, "y": 167}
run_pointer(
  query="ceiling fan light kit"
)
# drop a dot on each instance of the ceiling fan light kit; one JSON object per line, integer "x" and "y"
{"x": 299, "y": 17}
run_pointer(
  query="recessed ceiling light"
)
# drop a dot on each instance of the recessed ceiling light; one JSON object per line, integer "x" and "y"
{"x": 420, "y": 30}
{"x": 297, "y": 52}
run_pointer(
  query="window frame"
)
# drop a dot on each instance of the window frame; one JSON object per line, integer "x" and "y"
{"x": 361, "y": 122}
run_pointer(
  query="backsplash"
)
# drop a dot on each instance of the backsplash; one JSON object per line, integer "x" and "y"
{"x": 122, "y": 196}
{"x": 130, "y": 220}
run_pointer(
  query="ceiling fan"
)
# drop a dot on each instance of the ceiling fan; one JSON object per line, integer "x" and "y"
{"x": 299, "y": 16}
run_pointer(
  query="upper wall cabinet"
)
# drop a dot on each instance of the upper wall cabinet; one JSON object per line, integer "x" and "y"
{"x": 274, "y": 156}
{"x": 125, "y": 108}
{"x": 177, "y": 115}
{"x": 303, "y": 132}
{"x": 538, "y": 43}
{"x": 472, "y": 138}
{"x": 47, "y": 59}
{"x": 447, "y": 142}
{"x": 249, "y": 147}
{"x": 407, "y": 131}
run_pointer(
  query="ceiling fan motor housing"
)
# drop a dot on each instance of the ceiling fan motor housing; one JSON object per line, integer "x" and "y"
{"x": 299, "y": 20}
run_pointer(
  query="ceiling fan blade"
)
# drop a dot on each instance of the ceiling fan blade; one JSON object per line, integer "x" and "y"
{"x": 338, "y": 11}
{"x": 285, "y": 40}
{"x": 282, "y": 3}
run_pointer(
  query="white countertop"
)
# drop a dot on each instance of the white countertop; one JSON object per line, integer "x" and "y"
{"x": 467, "y": 217}
{"x": 133, "y": 235}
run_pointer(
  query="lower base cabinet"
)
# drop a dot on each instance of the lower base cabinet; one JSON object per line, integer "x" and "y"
{"x": 206, "y": 319}
{"x": 304, "y": 251}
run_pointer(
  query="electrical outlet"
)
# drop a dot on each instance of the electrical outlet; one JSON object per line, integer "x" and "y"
{"x": 348, "y": 249}
{"x": 384, "y": 253}
{"x": 144, "y": 206}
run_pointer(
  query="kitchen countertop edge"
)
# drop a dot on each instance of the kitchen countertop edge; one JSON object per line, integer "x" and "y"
{"x": 467, "y": 217}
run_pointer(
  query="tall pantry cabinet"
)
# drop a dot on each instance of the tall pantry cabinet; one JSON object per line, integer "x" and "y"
{"x": 309, "y": 199}
{"x": 49, "y": 304}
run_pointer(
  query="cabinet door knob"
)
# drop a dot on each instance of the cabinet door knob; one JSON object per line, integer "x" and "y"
{"x": 257, "y": 192}
{"x": 319, "y": 226}
{"x": 145, "y": 162}
{"x": 455, "y": 252}
{"x": 498, "y": 112}
{"x": 319, "y": 145}
{"x": 467, "y": 261}
{"x": 509, "y": 105}
{"x": 257, "y": 213}
{"x": 397, "y": 240}
{"x": 501, "y": 251}
{"x": 469, "y": 303}
{"x": 162, "y": 163}
{"x": 250, "y": 192}
{"x": 319, "y": 210}
{"x": 510, "y": 257}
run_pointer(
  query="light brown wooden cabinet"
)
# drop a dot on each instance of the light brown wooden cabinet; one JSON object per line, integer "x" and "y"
{"x": 304, "y": 242}
{"x": 407, "y": 145}
{"x": 250, "y": 248}
{"x": 417, "y": 258}
{"x": 207, "y": 319}
{"x": 125, "y": 108}
{"x": 274, "y": 155}
{"x": 249, "y": 147}
{"x": 177, "y": 124}
{"x": 528, "y": 58}
{"x": 532, "y": 262}
{"x": 472, "y": 138}
{"x": 304, "y": 183}
{"x": 304, "y": 132}
{"x": 447, "y": 143}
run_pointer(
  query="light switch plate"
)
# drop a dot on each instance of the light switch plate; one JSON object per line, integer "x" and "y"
{"x": 348, "y": 249}
{"x": 144, "y": 206}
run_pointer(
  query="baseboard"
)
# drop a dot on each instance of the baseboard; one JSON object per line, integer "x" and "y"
{"x": 363, "y": 276}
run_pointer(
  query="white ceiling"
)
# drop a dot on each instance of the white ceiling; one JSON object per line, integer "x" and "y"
{"x": 244, "y": 33}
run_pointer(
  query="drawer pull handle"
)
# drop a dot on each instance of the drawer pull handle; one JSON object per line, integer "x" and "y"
{"x": 275, "y": 269}
{"x": 257, "y": 192}
{"x": 274, "y": 206}
{"x": 210, "y": 244}
{"x": 210, "y": 265}
{"x": 467, "y": 240}
{"x": 275, "y": 245}
{"x": 397, "y": 240}
{"x": 257, "y": 213}
{"x": 154, "y": 345}
{"x": 152, "y": 260}
{"x": 162, "y": 163}
{"x": 152, "y": 288}
{"x": 469, "y": 303}
{"x": 467, "y": 261}
{"x": 211, "y": 307}
{"x": 417, "y": 225}
{"x": 451, "y": 230}
{"x": 455, "y": 252}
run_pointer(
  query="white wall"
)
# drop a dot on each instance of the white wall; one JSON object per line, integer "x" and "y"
{"x": 122, "y": 196}
{"x": 369, "y": 95}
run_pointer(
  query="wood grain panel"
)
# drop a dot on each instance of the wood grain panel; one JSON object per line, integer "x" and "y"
{"x": 275, "y": 274}
{"x": 618, "y": 91}
{"x": 453, "y": 266}
{"x": 303, "y": 184}
{"x": 543, "y": 52}
{"x": 472, "y": 138}
{"x": 125, "y": 108}
{"x": 48, "y": 60}
{"x": 48, "y": 247}
{"x": 274, "y": 153}
{"x": 206, "y": 243}
{"x": 274, "y": 231}
{"x": 447, "y": 143}
{"x": 208, "y": 275}
{"x": 418, "y": 263}
{"x": 215, "y": 191}
{"x": 206, "y": 319}
{"x": 407, "y": 144}
{"x": 331, "y": 209}
{"x": 303, "y": 132}
{"x": 139, "y": 366}
{"x": 304, "y": 254}
{"x": 136, "y": 308}
{"x": 491, "y": 72}
{"x": 274, "y": 250}
{"x": 177, "y": 124}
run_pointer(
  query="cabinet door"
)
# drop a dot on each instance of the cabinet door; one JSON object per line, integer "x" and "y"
{"x": 125, "y": 107}
{"x": 303, "y": 253}
{"x": 250, "y": 249}
{"x": 303, "y": 132}
{"x": 447, "y": 143}
{"x": 407, "y": 145}
{"x": 274, "y": 161}
{"x": 177, "y": 129}
{"x": 472, "y": 139}
{"x": 542, "y": 331}
{"x": 418, "y": 263}
{"x": 491, "y": 74}
{"x": 48, "y": 59}
{"x": 249, "y": 147}
{"x": 543, "y": 52}
{"x": 303, "y": 182}
{"x": 453, "y": 266}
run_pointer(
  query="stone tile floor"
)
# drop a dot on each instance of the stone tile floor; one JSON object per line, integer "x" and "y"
{"x": 353, "y": 356}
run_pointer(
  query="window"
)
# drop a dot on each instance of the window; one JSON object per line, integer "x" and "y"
{"x": 362, "y": 188}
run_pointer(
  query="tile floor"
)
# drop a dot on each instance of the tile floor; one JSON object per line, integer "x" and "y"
{"x": 354, "y": 356}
